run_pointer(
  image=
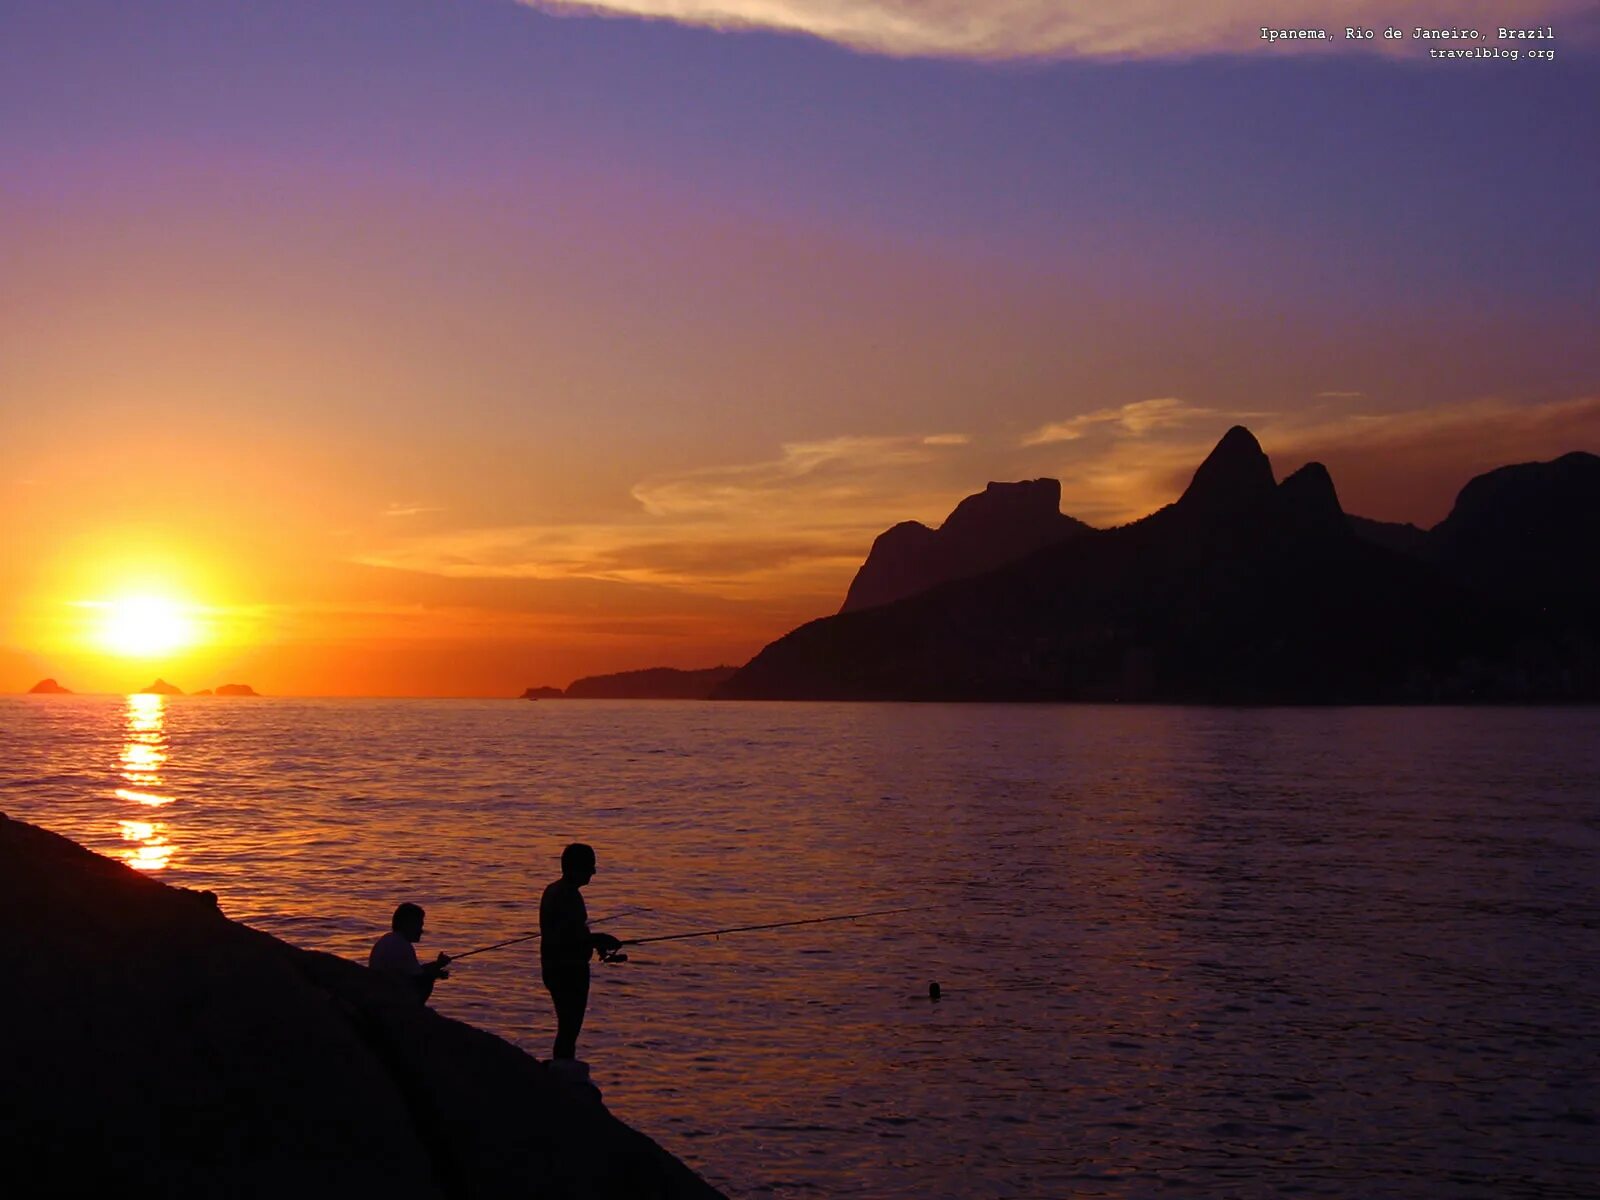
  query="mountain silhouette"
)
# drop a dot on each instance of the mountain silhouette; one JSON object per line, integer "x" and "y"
{"x": 1242, "y": 591}
{"x": 48, "y": 687}
{"x": 1002, "y": 523}
{"x": 160, "y": 688}
{"x": 1528, "y": 534}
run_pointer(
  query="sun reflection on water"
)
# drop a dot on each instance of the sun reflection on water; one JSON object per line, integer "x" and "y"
{"x": 144, "y": 752}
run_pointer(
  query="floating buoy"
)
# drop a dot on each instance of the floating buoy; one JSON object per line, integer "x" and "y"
{"x": 933, "y": 990}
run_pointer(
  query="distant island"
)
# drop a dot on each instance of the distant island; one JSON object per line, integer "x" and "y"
{"x": 654, "y": 683}
{"x": 1244, "y": 590}
{"x": 48, "y": 687}
{"x": 162, "y": 688}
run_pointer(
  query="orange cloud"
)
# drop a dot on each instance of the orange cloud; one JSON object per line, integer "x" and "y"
{"x": 796, "y": 525}
{"x": 1135, "y": 419}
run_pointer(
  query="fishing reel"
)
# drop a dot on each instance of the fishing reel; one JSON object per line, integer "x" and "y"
{"x": 613, "y": 956}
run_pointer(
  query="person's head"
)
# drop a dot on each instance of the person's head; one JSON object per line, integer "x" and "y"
{"x": 577, "y": 863}
{"x": 407, "y": 922}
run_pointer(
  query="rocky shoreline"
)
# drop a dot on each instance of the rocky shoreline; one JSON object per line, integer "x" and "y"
{"x": 153, "y": 1045}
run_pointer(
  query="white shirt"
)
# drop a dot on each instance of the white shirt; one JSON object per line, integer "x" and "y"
{"x": 392, "y": 952}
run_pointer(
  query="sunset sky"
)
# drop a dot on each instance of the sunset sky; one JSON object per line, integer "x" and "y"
{"x": 445, "y": 347}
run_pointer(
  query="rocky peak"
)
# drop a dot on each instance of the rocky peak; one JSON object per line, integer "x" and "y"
{"x": 1029, "y": 501}
{"x": 987, "y": 530}
{"x": 1235, "y": 477}
{"x": 1308, "y": 495}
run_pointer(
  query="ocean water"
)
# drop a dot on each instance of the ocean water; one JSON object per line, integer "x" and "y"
{"x": 1187, "y": 952}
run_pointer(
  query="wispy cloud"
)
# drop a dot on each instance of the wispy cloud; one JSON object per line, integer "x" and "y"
{"x": 831, "y": 471}
{"x": 1059, "y": 29}
{"x": 1136, "y": 419}
{"x": 411, "y": 509}
{"x": 796, "y": 524}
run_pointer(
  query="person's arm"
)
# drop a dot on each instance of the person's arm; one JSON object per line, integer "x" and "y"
{"x": 430, "y": 974}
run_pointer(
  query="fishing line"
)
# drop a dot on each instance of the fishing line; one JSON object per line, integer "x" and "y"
{"x": 855, "y": 916}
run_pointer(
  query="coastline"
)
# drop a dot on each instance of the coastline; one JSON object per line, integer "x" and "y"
{"x": 153, "y": 1044}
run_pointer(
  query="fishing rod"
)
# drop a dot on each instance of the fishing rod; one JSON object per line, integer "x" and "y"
{"x": 528, "y": 937}
{"x": 698, "y": 933}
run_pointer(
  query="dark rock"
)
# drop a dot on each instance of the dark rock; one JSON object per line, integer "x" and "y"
{"x": 48, "y": 687}
{"x": 1529, "y": 534}
{"x": 655, "y": 683}
{"x": 1403, "y": 538}
{"x": 542, "y": 693}
{"x": 1235, "y": 478}
{"x": 1309, "y": 497}
{"x": 153, "y": 1047}
{"x": 1001, "y": 524}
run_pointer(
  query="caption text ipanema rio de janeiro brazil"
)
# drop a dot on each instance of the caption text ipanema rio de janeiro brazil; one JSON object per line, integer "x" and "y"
{"x": 883, "y": 599}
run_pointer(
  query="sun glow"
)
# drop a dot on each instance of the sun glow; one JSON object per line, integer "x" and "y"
{"x": 145, "y": 626}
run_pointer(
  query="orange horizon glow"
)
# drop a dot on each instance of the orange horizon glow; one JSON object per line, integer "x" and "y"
{"x": 411, "y": 600}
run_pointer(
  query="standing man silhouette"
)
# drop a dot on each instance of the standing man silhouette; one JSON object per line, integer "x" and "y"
{"x": 566, "y": 945}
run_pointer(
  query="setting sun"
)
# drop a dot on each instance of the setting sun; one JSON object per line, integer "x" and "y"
{"x": 145, "y": 626}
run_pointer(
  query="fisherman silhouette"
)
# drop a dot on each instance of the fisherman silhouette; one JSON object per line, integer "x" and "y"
{"x": 566, "y": 945}
{"x": 395, "y": 953}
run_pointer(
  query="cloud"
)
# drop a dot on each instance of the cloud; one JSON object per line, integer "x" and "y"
{"x": 1062, "y": 29}
{"x": 411, "y": 509}
{"x": 794, "y": 525}
{"x": 1135, "y": 419}
{"x": 841, "y": 469}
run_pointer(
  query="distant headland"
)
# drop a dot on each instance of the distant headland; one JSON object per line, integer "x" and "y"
{"x": 653, "y": 683}
{"x": 48, "y": 687}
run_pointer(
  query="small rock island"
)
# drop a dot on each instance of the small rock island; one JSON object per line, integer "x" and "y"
{"x": 48, "y": 687}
